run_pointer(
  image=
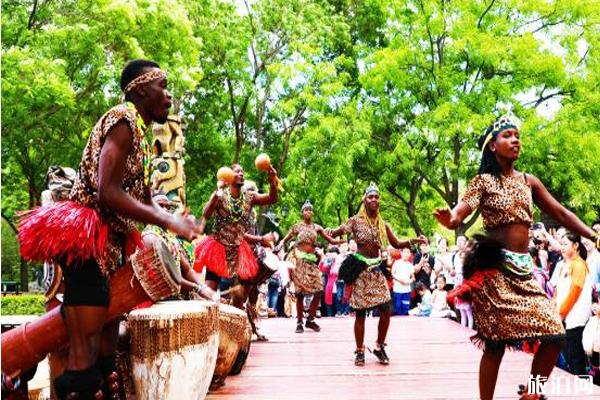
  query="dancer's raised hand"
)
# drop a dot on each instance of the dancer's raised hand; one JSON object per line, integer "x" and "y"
{"x": 444, "y": 217}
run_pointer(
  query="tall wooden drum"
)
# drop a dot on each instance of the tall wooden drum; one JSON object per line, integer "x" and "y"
{"x": 234, "y": 335}
{"x": 174, "y": 349}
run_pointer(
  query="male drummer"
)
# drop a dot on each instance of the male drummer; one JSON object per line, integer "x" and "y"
{"x": 97, "y": 228}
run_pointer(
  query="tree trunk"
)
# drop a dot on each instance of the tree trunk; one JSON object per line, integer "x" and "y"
{"x": 24, "y": 272}
{"x": 23, "y": 269}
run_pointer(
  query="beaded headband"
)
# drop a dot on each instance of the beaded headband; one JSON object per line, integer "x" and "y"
{"x": 371, "y": 189}
{"x": 307, "y": 204}
{"x": 145, "y": 78}
{"x": 507, "y": 121}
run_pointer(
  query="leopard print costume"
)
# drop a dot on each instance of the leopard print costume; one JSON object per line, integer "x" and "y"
{"x": 85, "y": 188}
{"x": 362, "y": 232}
{"x": 306, "y": 275}
{"x": 305, "y": 234}
{"x": 502, "y": 201}
{"x": 370, "y": 288}
{"x": 509, "y": 308}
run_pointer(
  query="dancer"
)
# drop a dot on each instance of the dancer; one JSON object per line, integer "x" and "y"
{"x": 508, "y": 304}
{"x": 367, "y": 272}
{"x": 89, "y": 234}
{"x": 226, "y": 253}
{"x": 306, "y": 274}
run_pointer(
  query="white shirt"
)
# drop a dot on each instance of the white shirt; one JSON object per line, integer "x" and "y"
{"x": 402, "y": 270}
{"x": 582, "y": 309}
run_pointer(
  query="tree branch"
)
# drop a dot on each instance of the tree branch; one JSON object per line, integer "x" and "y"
{"x": 489, "y": 7}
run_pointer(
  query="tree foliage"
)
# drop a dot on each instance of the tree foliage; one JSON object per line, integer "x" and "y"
{"x": 338, "y": 92}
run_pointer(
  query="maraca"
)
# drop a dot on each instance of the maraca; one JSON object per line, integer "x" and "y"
{"x": 263, "y": 163}
{"x": 226, "y": 175}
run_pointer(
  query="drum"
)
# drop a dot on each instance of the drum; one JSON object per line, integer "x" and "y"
{"x": 174, "y": 349}
{"x": 268, "y": 264}
{"x": 234, "y": 335}
{"x": 156, "y": 274}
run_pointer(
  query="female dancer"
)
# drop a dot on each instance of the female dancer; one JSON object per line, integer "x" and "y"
{"x": 508, "y": 303}
{"x": 306, "y": 275}
{"x": 367, "y": 272}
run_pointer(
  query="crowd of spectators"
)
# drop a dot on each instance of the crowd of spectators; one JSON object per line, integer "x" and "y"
{"x": 422, "y": 277}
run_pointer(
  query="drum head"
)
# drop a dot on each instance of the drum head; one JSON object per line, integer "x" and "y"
{"x": 166, "y": 258}
{"x": 271, "y": 260}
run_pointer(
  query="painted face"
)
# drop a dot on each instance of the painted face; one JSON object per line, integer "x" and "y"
{"x": 507, "y": 144}
{"x": 239, "y": 175}
{"x": 158, "y": 99}
{"x": 372, "y": 201}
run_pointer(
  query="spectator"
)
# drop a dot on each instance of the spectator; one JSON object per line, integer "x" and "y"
{"x": 464, "y": 307}
{"x": 574, "y": 299}
{"x": 540, "y": 273}
{"x": 439, "y": 305}
{"x": 424, "y": 263}
{"x": 403, "y": 273}
{"x": 327, "y": 264}
{"x": 593, "y": 262}
{"x": 443, "y": 264}
{"x": 273, "y": 287}
{"x": 342, "y": 308}
{"x": 423, "y": 308}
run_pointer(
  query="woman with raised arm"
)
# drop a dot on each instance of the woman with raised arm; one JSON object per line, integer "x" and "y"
{"x": 306, "y": 274}
{"x": 367, "y": 272}
{"x": 508, "y": 304}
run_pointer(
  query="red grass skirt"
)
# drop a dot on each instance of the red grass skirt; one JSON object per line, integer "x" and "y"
{"x": 66, "y": 231}
{"x": 210, "y": 253}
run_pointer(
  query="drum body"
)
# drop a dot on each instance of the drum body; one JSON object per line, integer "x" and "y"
{"x": 151, "y": 274}
{"x": 268, "y": 264}
{"x": 234, "y": 335}
{"x": 174, "y": 349}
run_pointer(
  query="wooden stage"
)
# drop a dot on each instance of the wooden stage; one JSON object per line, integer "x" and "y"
{"x": 430, "y": 359}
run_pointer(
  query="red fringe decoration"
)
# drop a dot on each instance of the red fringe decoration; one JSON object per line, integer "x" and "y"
{"x": 464, "y": 291}
{"x": 210, "y": 253}
{"x": 247, "y": 266}
{"x": 59, "y": 230}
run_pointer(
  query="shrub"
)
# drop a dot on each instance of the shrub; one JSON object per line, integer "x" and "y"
{"x": 23, "y": 304}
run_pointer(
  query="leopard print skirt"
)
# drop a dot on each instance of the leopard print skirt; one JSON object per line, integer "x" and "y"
{"x": 369, "y": 290}
{"x": 509, "y": 309}
{"x": 306, "y": 275}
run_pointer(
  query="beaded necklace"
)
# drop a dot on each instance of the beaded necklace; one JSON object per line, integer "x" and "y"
{"x": 235, "y": 206}
{"x": 146, "y": 148}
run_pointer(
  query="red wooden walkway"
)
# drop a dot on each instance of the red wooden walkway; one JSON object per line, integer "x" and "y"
{"x": 430, "y": 359}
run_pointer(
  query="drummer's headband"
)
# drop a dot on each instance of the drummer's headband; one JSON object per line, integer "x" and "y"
{"x": 145, "y": 78}
{"x": 372, "y": 188}
{"x": 507, "y": 121}
{"x": 306, "y": 205}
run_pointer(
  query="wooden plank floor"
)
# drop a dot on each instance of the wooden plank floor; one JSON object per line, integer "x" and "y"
{"x": 430, "y": 359}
